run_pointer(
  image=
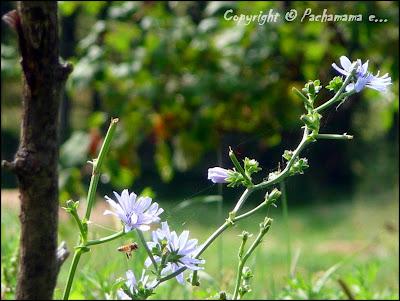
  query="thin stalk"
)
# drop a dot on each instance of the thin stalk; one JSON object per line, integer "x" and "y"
{"x": 143, "y": 241}
{"x": 238, "y": 279}
{"x": 79, "y": 223}
{"x": 338, "y": 96}
{"x": 97, "y": 164}
{"x": 242, "y": 199}
{"x": 105, "y": 239}
{"x": 240, "y": 265}
{"x": 250, "y": 212}
{"x": 242, "y": 261}
{"x": 239, "y": 167}
{"x": 71, "y": 274}
{"x": 94, "y": 180}
{"x": 335, "y": 136}
{"x": 303, "y": 143}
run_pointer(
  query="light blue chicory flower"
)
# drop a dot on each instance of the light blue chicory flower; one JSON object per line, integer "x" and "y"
{"x": 136, "y": 288}
{"x": 134, "y": 212}
{"x": 179, "y": 251}
{"x": 363, "y": 77}
{"x": 218, "y": 174}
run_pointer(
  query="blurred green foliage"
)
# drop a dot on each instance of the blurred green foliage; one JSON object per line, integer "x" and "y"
{"x": 185, "y": 82}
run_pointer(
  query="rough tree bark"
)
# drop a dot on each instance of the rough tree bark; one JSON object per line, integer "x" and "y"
{"x": 35, "y": 162}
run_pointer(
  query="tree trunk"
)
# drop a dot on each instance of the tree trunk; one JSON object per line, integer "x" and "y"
{"x": 35, "y": 162}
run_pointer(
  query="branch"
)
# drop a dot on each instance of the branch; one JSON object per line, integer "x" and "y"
{"x": 10, "y": 166}
{"x": 335, "y": 136}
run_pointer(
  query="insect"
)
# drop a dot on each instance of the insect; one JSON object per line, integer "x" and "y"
{"x": 128, "y": 249}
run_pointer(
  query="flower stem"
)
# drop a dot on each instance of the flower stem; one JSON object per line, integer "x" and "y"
{"x": 240, "y": 266}
{"x": 238, "y": 278}
{"x": 242, "y": 199}
{"x": 143, "y": 241}
{"x": 97, "y": 164}
{"x": 335, "y": 136}
{"x": 240, "y": 168}
{"x": 242, "y": 260}
{"x": 75, "y": 260}
{"x": 338, "y": 96}
{"x": 250, "y": 212}
{"x": 105, "y": 239}
{"x": 303, "y": 143}
{"x": 74, "y": 214}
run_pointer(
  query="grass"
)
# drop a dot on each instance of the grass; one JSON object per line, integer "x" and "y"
{"x": 349, "y": 245}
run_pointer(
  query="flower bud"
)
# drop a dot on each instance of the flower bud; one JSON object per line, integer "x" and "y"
{"x": 218, "y": 174}
{"x": 272, "y": 196}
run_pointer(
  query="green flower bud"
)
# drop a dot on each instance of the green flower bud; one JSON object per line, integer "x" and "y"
{"x": 272, "y": 196}
{"x": 287, "y": 155}
{"x": 335, "y": 84}
{"x": 251, "y": 166}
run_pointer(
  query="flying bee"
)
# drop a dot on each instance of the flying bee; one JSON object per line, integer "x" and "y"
{"x": 128, "y": 249}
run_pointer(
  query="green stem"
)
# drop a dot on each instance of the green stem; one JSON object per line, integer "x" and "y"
{"x": 301, "y": 95}
{"x": 242, "y": 261}
{"x": 195, "y": 279}
{"x": 242, "y": 199}
{"x": 240, "y": 265}
{"x": 105, "y": 239}
{"x": 335, "y": 136}
{"x": 75, "y": 260}
{"x": 97, "y": 164}
{"x": 304, "y": 141}
{"x": 79, "y": 223}
{"x": 239, "y": 167}
{"x": 143, "y": 241}
{"x": 238, "y": 278}
{"x": 250, "y": 212}
{"x": 338, "y": 96}
{"x": 91, "y": 194}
